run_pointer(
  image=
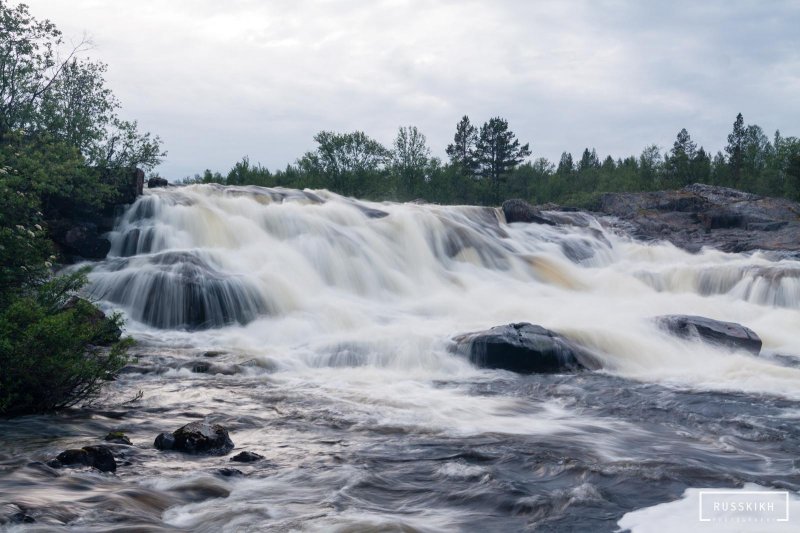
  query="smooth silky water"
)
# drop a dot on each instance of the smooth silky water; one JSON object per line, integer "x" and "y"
{"x": 318, "y": 330}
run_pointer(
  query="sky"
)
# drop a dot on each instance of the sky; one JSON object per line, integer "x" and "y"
{"x": 218, "y": 80}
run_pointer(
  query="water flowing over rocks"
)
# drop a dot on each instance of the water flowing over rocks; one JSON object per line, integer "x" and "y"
{"x": 728, "y": 334}
{"x": 524, "y": 348}
{"x": 704, "y": 215}
{"x": 349, "y": 382}
{"x": 196, "y": 438}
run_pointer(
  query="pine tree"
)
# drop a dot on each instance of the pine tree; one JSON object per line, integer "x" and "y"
{"x": 497, "y": 152}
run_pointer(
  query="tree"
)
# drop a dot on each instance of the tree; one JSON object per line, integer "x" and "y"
{"x": 566, "y": 167}
{"x": 650, "y": 166}
{"x": 410, "y": 158}
{"x": 735, "y": 149}
{"x": 43, "y": 92}
{"x": 678, "y": 162}
{"x": 344, "y": 160}
{"x": 497, "y": 152}
{"x": 462, "y": 151}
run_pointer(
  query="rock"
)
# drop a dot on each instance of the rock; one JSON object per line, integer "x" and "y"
{"x": 703, "y": 215}
{"x": 197, "y": 438}
{"x": 165, "y": 441}
{"x": 118, "y": 437}
{"x": 156, "y": 181}
{"x": 524, "y": 348}
{"x": 729, "y": 334}
{"x": 247, "y": 457}
{"x": 79, "y": 238}
{"x": 521, "y": 211}
{"x": 99, "y": 457}
{"x": 229, "y": 472}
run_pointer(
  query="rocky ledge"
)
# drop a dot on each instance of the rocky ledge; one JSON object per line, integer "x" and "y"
{"x": 703, "y": 215}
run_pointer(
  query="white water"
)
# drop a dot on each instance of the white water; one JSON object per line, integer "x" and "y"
{"x": 361, "y": 310}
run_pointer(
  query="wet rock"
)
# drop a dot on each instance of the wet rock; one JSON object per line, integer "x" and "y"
{"x": 213, "y": 353}
{"x": 165, "y": 441}
{"x": 247, "y": 457}
{"x": 99, "y": 457}
{"x": 703, "y": 215}
{"x": 371, "y": 212}
{"x": 521, "y": 211}
{"x": 156, "y": 181}
{"x": 21, "y": 518}
{"x": 524, "y": 348}
{"x": 79, "y": 238}
{"x": 229, "y": 472}
{"x": 197, "y": 438}
{"x": 729, "y": 334}
{"x": 118, "y": 437}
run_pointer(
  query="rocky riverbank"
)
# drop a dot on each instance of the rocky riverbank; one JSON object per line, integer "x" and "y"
{"x": 703, "y": 215}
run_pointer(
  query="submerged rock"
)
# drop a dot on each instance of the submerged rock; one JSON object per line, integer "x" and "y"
{"x": 521, "y": 211}
{"x": 729, "y": 334}
{"x": 197, "y": 438}
{"x": 524, "y": 348}
{"x": 247, "y": 457}
{"x": 99, "y": 457}
{"x": 118, "y": 437}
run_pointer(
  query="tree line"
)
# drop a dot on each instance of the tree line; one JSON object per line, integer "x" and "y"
{"x": 487, "y": 164}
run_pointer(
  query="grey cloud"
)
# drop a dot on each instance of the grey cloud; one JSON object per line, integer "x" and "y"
{"x": 218, "y": 80}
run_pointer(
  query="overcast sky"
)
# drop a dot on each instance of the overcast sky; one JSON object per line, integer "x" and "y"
{"x": 218, "y": 80}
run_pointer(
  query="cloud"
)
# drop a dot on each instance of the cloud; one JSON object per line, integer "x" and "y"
{"x": 220, "y": 80}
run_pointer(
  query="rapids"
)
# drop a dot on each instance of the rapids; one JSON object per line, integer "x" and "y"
{"x": 319, "y": 329}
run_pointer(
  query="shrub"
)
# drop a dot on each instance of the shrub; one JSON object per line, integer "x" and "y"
{"x": 56, "y": 350}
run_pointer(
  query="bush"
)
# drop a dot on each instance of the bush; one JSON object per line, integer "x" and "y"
{"x": 56, "y": 350}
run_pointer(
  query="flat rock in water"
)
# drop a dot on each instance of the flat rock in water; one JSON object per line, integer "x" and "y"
{"x": 197, "y": 438}
{"x": 729, "y": 334}
{"x": 524, "y": 348}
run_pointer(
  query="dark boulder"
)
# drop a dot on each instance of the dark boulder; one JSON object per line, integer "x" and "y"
{"x": 524, "y": 348}
{"x": 99, "y": 457}
{"x": 82, "y": 239}
{"x": 521, "y": 211}
{"x": 728, "y": 334}
{"x": 197, "y": 438}
{"x": 156, "y": 181}
{"x": 247, "y": 457}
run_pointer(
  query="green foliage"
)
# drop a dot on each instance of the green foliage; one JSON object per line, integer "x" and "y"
{"x": 50, "y": 354}
{"x": 488, "y": 165}
{"x": 45, "y": 90}
{"x": 62, "y": 147}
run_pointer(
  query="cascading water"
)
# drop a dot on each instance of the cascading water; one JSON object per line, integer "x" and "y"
{"x": 319, "y": 330}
